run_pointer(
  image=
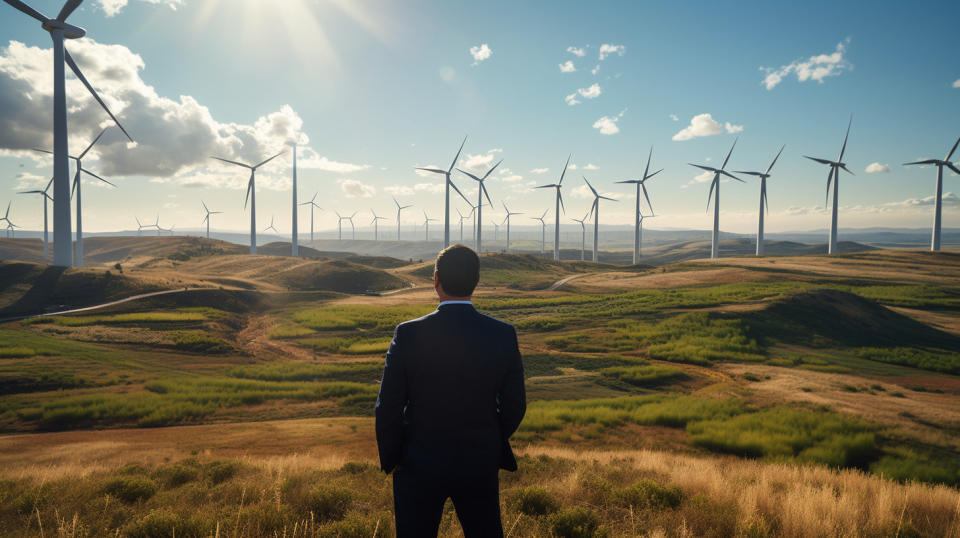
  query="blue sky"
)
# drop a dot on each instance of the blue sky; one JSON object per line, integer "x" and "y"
{"x": 380, "y": 87}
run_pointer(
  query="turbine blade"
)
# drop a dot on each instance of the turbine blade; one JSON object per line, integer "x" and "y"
{"x": 954, "y": 148}
{"x": 591, "y": 186}
{"x": 954, "y": 168}
{"x": 560, "y": 196}
{"x": 927, "y": 161}
{"x": 434, "y": 170}
{"x": 95, "y": 140}
{"x": 83, "y": 79}
{"x": 649, "y": 157}
{"x": 490, "y": 171}
{"x": 204, "y": 206}
{"x": 268, "y": 160}
{"x": 545, "y": 187}
{"x": 96, "y": 176}
{"x": 607, "y": 198}
{"x": 68, "y": 8}
{"x": 829, "y": 180}
{"x": 247, "y": 199}
{"x": 647, "y": 197}
{"x": 844, "y": 148}
{"x": 452, "y": 184}
{"x": 759, "y": 174}
{"x": 629, "y": 181}
{"x": 454, "y": 163}
{"x": 487, "y": 194}
{"x": 49, "y": 183}
{"x": 847, "y": 169}
{"x": 821, "y": 161}
{"x": 730, "y": 153}
{"x": 728, "y": 174}
{"x": 475, "y": 178}
{"x": 565, "y": 169}
{"x": 775, "y": 159}
{"x": 27, "y": 9}
{"x": 707, "y": 168}
{"x": 765, "y": 203}
{"x": 713, "y": 184}
{"x": 651, "y": 175}
{"x": 232, "y": 162}
{"x": 42, "y": 151}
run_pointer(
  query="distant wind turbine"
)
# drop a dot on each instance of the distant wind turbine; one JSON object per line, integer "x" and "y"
{"x": 559, "y": 204}
{"x": 583, "y": 236}
{"x": 715, "y": 192}
{"x": 462, "y": 218}
{"x": 448, "y": 184}
{"x": 834, "y": 175}
{"x": 426, "y": 226}
{"x": 496, "y": 231}
{"x": 46, "y": 197}
{"x": 251, "y": 195}
{"x": 6, "y": 218}
{"x": 481, "y": 192}
{"x": 399, "y": 209}
{"x": 507, "y": 220}
{"x": 595, "y": 211}
{"x": 313, "y": 205}
{"x": 638, "y": 216}
{"x": 206, "y": 218}
{"x": 543, "y": 230}
{"x": 59, "y": 30}
{"x": 294, "y": 240}
{"x": 935, "y": 239}
{"x": 271, "y": 227}
{"x": 763, "y": 198}
{"x": 376, "y": 225}
{"x": 141, "y": 227}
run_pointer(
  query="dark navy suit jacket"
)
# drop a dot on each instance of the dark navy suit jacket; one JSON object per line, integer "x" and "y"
{"x": 452, "y": 394}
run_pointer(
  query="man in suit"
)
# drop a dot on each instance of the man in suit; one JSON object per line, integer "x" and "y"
{"x": 452, "y": 394}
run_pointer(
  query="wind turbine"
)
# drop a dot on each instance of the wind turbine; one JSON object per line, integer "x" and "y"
{"x": 251, "y": 196}
{"x": 206, "y": 218}
{"x": 448, "y": 184}
{"x": 271, "y": 227}
{"x": 156, "y": 224}
{"x": 543, "y": 229}
{"x": 294, "y": 242}
{"x": 399, "y": 209}
{"x": 77, "y": 190}
{"x": 59, "y": 30}
{"x": 426, "y": 226}
{"x": 507, "y": 220}
{"x": 6, "y": 217}
{"x": 638, "y": 217}
{"x": 715, "y": 192}
{"x": 481, "y": 192}
{"x": 496, "y": 231}
{"x": 559, "y": 204}
{"x": 834, "y": 175}
{"x": 353, "y": 229}
{"x": 763, "y": 198}
{"x": 141, "y": 227}
{"x": 583, "y": 235}
{"x": 376, "y": 225}
{"x": 46, "y": 197}
{"x": 935, "y": 239}
{"x": 462, "y": 218}
{"x": 313, "y": 204}
{"x": 595, "y": 210}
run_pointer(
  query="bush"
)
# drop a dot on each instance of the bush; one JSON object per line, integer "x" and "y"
{"x": 577, "y": 523}
{"x": 649, "y": 494}
{"x": 646, "y": 376}
{"x": 131, "y": 489}
{"x": 540, "y": 324}
{"x": 328, "y": 503}
{"x": 535, "y": 501}
{"x": 220, "y": 471}
{"x": 164, "y": 523}
{"x": 176, "y": 475}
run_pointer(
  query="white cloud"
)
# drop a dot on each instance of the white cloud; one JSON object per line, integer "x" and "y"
{"x": 583, "y": 191}
{"x": 539, "y": 170}
{"x": 702, "y": 177}
{"x": 432, "y": 188}
{"x": 815, "y": 68}
{"x": 949, "y": 199}
{"x": 424, "y": 173}
{"x": 595, "y": 70}
{"x": 480, "y": 53}
{"x": 355, "y": 189}
{"x": 399, "y": 190}
{"x": 476, "y": 162}
{"x": 26, "y": 180}
{"x": 956, "y": 83}
{"x": 606, "y": 50}
{"x": 113, "y": 7}
{"x": 577, "y": 52}
{"x": 705, "y": 125}
{"x": 511, "y": 178}
{"x": 307, "y": 158}
{"x": 674, "y": 117}
{"x": 571, "y": 99}
{"x": 590, "y": 92}
{"x": 567, "y": 67}
{"x": 608, "y": 125}
{"x": 591, "y": 166}
{"x": 573, "y": 166}
{"x": 877, "y": 168}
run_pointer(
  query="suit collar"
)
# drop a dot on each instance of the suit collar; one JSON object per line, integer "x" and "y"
{"x": 446, "y": 303}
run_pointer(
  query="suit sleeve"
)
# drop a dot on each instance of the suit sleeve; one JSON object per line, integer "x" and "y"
{"x": 513, "y": 398}
{"x": 390, "y": 405}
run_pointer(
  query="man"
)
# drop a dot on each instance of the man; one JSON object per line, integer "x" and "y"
{"x": 451, "y": 396}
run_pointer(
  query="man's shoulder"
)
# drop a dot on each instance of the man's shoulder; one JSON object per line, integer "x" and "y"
{"x": 413, "y": 323}
{"x": 494, "y": 323}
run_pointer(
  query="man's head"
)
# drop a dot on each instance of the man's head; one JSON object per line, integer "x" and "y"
{"x": 456, "y": 272}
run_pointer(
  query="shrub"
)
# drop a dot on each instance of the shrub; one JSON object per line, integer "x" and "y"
{"x": 576, "y": 523}
{"x": 164, "y": 523}
{"x": 649, "y": 494}
{"x": 535, "y": 501}
{"x": 328, "y": 503}
{"x": 220, "y": 471}
{"x": 356, "y": 467}
{"x": 540, "y": 324}
{"x": 176, "y": 475}
{"x": 131, "y": 489}
{"x": 646, "y": 376}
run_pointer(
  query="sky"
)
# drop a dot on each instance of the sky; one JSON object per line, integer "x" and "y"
{"x": 373, "y": 89}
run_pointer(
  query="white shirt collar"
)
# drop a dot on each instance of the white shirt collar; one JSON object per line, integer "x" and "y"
{"x": 453, "y": 302}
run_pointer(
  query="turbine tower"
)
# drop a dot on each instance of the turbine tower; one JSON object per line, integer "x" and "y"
{"x": 426, "y": 226}
{"x": 353, "y": 229}
{"x": 340, "y": 220}
{"x": 638, "y": 217}
{"x": 206, "y": 218}
{"x": 507, "y": 220}
{"x": 543, "y": 230}
{"x": 496, "y": 230}
{"x": 935, "y": 239}
{"x": 399, "y": 209}
{"x": 834, "y": 175}
{"x": 268, "y": 227}
{"x": 294, "y": 243}
{"x": 481, "y": 192}
{"x": 462, "y": 218}
{"x": 313, "y": 205}
{"x": 715, "y": 192}
{"x": 559, "y": 204}
{"x": 448, "y": 184}
{"x": 376, "y": 225}
{"x": 583, "y": 236}
{"x": 595, "y": 210}
{"x": 46, "y": 197}
{"x": 59, "y": 30}
{"x": 763, "y": 198}
{"x": 251, "y": 196}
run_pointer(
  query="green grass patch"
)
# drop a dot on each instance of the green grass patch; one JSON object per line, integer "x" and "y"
{"x": 131, "y": 318}
{"x": 348, "y": 345}
{"x": 199, "y": 342}
{"x": 343, "y": 317}
{"x": 308, "y": 371}
{"x": 697, "y": 338}
{"x": 926, "y": 359}
{"x": 646, "y": 376}
{"x": 549, "y": 364}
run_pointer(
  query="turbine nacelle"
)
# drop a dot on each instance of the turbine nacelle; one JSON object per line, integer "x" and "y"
{"x": 69, "y": 31}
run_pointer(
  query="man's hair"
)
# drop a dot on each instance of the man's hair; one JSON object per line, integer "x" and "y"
{"x": 458, "y": 267}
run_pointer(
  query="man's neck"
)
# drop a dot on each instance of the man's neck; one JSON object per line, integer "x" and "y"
{"x": 454, "y": 300}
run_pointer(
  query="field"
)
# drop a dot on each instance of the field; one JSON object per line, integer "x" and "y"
{"x": 775, "y": 396}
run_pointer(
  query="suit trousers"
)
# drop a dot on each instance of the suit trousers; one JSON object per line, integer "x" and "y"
{"x": 418, "y": 499}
